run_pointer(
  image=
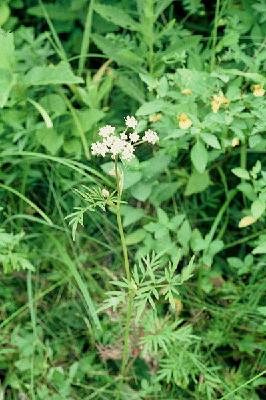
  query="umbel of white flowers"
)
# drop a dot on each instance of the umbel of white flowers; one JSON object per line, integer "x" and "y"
{"x": 122, "y": 146}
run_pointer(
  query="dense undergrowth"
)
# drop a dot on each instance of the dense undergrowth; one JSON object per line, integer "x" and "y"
{"x": 192, "y": 205}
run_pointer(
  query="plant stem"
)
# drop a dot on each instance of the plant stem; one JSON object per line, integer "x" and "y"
{"x": 214, "y": 34}
{"x": 127, "y": 271}
{"x": 127, "y": 331}
{"x": 243, "y": 164}
{"x": 119, "y": 221}
{"x": 86, "y": 38}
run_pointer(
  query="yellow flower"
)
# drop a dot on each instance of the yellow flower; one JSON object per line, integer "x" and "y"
{"x": 217, "y": 101}
{"x": 235, "y": 142}
{"x": 186, "y": 91}
{"x": 184, "y": 121}
{"x": 258, "y": 90}
{"x": 155, "y": 117}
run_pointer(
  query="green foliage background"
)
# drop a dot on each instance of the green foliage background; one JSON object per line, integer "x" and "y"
{"x": 201, "y": 191}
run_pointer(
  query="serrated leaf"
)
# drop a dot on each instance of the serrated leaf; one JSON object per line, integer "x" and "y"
{"x": 211, "y": 140}
{"x": 199, "y": 156}
{"x": 117, "y": 16}
{"x": 241, "y": 173}
{"x": 187, "y": 271}
{"x": 118, "y": 52}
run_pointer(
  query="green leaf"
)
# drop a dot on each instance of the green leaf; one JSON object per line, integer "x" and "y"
{"x": 150, "y": 107}
{"x": 135, "y": 237}
{"x": 199, "y": 156}
{"x": 257, "y": 208}
{"x": 131, "y": 214}
{"x": 260, "y": 249}
{"x": 7, "y": 50}
{"x": 187, "y": 271}
{"x": 184, "y": 234}
{"x": 60, "y": 74}
{"x": 197, "y": 183}
{"x": 4, "y": 13}
{"x": 88, "y": 118}
{"x": 162, "y": 216}
{"x": 211, "y": 140}
{"x": 241, "y": 173}
{"x": 141, "y": 190}
{"x": 117, "y": 16}
{"x": 50, "y": 139}
{"x": 55, "y": 11}
{"x": 7, "y": 81}
{"x": 118, "y": 52}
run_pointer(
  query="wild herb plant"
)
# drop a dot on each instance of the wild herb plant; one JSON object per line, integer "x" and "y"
{"x": 194, "y": 72}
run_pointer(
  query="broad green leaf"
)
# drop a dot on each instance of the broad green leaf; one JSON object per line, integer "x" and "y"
{"x": 197, "y": 183}
{"x": 151, "y": 107}
{"x": 257, "y": 208}
{"x": 4, "y": 13}
{"x": 50, "y": 139}
{"x": 211, "y": 140}
{"x": 241, "y": 173}
{"x": 7, "y": 50}
{"x": 88, "y": 118}
{"x": 155, "y": 165}
{"x": 131, "y": 214}
{"x": 60, "y": 74}
{"x": 141, "y": 190}
{"x": 199, "y": 156}
{"x": 131, "y": 178}
{"x": 135, "y": 237}
{"x": 117, "y": 16}
{"x": 7, "y": 81}
{"x": 260, "y": 249}
{"x": 162, "y": 216}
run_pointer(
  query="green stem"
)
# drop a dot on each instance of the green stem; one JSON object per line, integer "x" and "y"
{"x": 119, "y": 221}
{"x": 214, "y": 34}
{"x": 127, "y": 331}
{"x": 243, "y": 164}
{"x": 86, "y": 38}
{"x": 130, "y": 295}
{"x": 219, "y": 216}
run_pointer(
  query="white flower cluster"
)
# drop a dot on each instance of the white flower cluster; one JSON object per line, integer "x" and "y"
{"x": 122, "y": 146}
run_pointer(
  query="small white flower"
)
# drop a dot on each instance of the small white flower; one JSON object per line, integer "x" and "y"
{"x": 117, "y": 146}
{"x": 109, "y": 140}
{"x": 99, "y": 149}
{"x": 105, "y": 193}
{"x": 123, "y": 136}
{"x": 106, "y": 131}
{"x": 128, "y": 152}
{"x": 134, "y": 137}
{"x": 131, "y": 122}
{"x": 150, "y": 136}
